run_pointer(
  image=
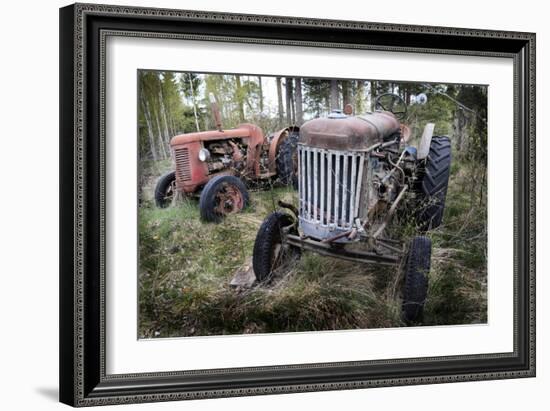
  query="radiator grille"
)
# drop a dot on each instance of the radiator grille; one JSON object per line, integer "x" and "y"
{"x": 329, "y": 187}
{"x": 183, "y": 165}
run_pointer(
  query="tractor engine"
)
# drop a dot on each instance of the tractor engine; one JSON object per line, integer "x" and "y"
{"x": 224, "y": 154}
{"x": 346, "y": 179}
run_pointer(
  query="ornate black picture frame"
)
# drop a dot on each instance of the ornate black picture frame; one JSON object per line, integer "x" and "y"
{"x": 83, "y": 30}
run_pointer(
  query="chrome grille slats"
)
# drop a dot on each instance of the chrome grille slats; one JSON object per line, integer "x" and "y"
{"x": 329, "y": 189}
{"x": 322, "y": 211}
{"x": 337, "y": 189}
{"x": 353, "y": 192}
{"x": 315, "y": 183}
{"x": 301, "y": 177}
{"x": 358, "y": 189}
{"x": 309, "y": 180}
{"x": 345, "y": 208}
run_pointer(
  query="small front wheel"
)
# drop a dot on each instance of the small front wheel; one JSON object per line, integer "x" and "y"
{"x": 222, "y": 195}
{"x": 415, "y": 289}
{"x": 270, "y": 250}
{"x": 165, "y": 190}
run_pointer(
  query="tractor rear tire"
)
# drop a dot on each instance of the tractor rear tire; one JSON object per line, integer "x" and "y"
{"x": 415, "y": 289}
{"x": 269, "y": 248}
{"x": 432, "y": 187}
{"x": 165, "y": 189}
{"x": 222, "y": 195}
{"x": 287, "y": 161}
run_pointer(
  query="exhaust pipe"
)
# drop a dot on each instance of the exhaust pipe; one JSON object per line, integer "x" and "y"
{"x": 215, "y": 111}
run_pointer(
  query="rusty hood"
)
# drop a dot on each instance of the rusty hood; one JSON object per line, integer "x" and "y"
{"x": 349, "y": 133}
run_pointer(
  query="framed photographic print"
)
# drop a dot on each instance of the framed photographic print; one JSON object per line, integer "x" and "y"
{"x": 260, "y": 204}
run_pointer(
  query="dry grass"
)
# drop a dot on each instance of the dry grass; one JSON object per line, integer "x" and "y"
{"x": 186, "y": 267}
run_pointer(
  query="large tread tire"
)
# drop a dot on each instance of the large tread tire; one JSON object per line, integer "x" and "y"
{"x": 165, "y": 190}
{"x": 415, "y": 289}
{"x": 269, "y": 237}
{"x": 286, "y": 160}
{"x": 208, "y": 200}
{"x": 432, "y": 187}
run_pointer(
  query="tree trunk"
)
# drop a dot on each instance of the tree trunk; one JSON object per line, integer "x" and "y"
{"x": 163, "y": 112}
{"x": 173, "y": 125}
{"x": 373, "y": 94}
{"x": 288, "y": 88}
{"x": 147, "y": 115}
{"x": 194, "y": 102}
{"x": 279, "y": 100}
{"x": 346, "y": 95}
{"x": 360, "y": 97}
{"x": 298, "y": 97}
{"x": 459, "y": 129}
{"x": 239, "y": 98}
{"x": 334, "y": 97}
{"x": 261, "y": 94}
{"x": 407, "y": 93}
{"x": 161, "y": 141}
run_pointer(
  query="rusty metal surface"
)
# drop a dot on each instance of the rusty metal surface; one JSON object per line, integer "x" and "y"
{"x": 406, "y": 133}
{"x": 350, "y": 133}
{"x": 342, "y": 252}
{"x": 240, "y": 132}
{"x": 254, "y": 150}
{"x": 229, "y": 200}
{"x": 216, "y": 112}
{"x": 191, "y": 173}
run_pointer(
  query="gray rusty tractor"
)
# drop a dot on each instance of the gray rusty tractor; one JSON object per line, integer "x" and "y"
{"x": 355, "y": 175}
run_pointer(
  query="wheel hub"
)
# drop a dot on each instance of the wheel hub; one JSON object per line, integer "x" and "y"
{"x": 229, "y": 200}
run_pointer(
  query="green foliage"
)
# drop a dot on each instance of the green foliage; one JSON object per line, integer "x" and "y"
{"x": 317, "y": 93}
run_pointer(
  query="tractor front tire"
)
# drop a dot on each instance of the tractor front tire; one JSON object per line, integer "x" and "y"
{"x": 269, "y": 249}
{"x": 415, "y": 289}
{"x": 287, "y": 160}
{"x": 222, "y": 195}
{"x": 432, "y": 187}
{"x": 165, "y": 189}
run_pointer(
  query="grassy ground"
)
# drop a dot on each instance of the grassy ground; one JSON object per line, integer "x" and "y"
{"x": 186, "y": 267}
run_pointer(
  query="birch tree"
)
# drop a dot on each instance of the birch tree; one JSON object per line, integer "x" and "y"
{"x": 261, "y": 94}
{"x": 239, "y": 97}
{"x": 298, "y": 99}
{"x": 289, "y": 99}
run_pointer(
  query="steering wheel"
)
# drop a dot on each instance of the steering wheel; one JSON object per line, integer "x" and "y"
{"x": 393, "y": 103}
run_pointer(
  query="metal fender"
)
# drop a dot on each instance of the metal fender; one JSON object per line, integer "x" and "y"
{"x": 426, "y": 140}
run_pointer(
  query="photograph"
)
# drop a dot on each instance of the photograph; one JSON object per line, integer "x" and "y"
{"x": 281, "y": 204}
{"x": 254, "y": 204}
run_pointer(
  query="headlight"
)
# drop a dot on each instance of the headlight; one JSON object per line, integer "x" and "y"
{"x": 204, "y": 154}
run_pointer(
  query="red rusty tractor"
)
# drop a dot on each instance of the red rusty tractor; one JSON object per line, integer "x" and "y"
{"x": 219, "y": 164}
